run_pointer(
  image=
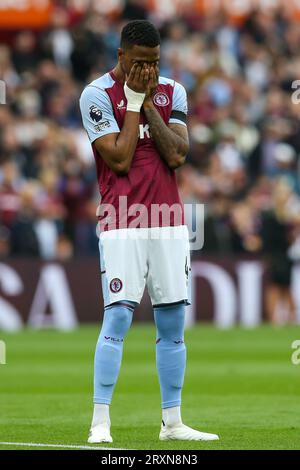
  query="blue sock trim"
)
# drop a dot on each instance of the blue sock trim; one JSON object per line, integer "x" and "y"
{"x": 101, "y": 401}
{"x": 171, "y": 404}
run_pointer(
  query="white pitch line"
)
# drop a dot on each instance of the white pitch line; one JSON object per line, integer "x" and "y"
{"x": 62, "y": 446}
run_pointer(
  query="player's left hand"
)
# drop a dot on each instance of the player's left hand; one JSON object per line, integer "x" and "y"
{"x": 152, "y": 84}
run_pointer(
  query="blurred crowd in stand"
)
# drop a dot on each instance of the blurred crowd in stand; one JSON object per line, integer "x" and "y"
{"x": 244, "y": 129}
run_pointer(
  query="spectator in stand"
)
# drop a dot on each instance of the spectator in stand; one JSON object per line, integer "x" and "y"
{"x": 277, "y": 239}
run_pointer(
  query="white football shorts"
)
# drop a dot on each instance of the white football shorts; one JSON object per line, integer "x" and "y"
{"x": 133, "y": 258}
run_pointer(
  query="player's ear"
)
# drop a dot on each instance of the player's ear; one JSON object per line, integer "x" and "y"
{"x": 120, "y": 54}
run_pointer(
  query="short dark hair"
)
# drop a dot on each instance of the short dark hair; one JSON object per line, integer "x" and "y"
{"x": 140, "y": 33}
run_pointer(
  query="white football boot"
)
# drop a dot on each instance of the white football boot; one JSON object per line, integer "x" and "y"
{"x": 99, "y": 433}
{"x": 100, "y": 428}
{"x": 181, "y": 432}
{"x": 172, "y": 428}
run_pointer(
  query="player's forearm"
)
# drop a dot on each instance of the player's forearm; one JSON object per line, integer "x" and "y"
{"x": 171, "y": 147}
{"x": 126, "y": 143}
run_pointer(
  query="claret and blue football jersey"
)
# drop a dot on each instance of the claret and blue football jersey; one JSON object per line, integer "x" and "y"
{"x": 150, "y": 181}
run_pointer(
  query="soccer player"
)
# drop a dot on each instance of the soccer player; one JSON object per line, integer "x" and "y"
{"x": 136, "y": 122}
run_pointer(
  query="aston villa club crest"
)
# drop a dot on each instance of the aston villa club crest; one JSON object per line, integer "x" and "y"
{"x": 161, "y": 99}
{"x": 95, "y": 113}
{"x": 115, "y": 285}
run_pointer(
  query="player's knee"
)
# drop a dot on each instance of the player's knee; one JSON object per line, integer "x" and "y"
{"x": 118, "y": 320}
{"x": 122, "y": 319}
{"x": 170, "y": 322}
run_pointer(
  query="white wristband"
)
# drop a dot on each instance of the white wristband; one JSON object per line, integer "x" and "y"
{"x": 134, "y": 99}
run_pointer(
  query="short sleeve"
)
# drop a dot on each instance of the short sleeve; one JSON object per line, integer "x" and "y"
{"x": 97, "y": 113}
{"x": 179, "y": 105}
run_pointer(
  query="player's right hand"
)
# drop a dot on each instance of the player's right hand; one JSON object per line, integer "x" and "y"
{"x": 138, "y": 78}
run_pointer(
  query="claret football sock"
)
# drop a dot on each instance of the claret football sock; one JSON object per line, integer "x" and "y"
{"x": 170, "y": 352}
{"x": 109, "y": 350}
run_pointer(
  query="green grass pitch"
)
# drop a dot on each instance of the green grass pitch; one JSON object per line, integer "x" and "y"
{"x": 239, "y": 383}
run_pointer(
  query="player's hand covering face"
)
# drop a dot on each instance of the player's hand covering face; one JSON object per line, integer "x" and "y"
{"x": 137, "y": 64}
{"x": 153, "y": 80}
{"x": 138, "y": 78}
{"x": 143, "y": 78}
